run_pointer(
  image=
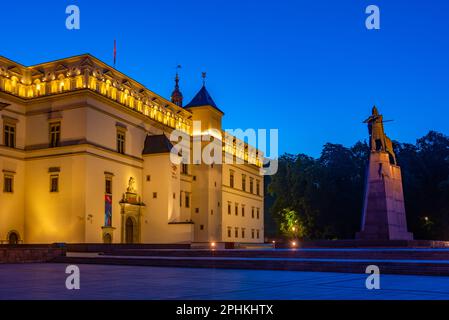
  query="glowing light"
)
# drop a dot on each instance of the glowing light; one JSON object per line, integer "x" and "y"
{"x": 294, "y": 244}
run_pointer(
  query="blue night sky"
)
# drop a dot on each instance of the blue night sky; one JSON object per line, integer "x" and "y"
{"x": 308, "y": 68}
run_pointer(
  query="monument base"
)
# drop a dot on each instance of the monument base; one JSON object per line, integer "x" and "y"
{"x": 384, "y": 211}
{"x": 398, "y": 236}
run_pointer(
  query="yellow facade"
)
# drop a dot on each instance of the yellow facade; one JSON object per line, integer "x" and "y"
{"x": 56, "y": 192}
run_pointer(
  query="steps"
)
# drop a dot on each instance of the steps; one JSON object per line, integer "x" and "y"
{"x": 390, "y": 261}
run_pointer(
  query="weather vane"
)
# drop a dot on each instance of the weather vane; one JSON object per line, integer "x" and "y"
{"x": 204, "y": 75}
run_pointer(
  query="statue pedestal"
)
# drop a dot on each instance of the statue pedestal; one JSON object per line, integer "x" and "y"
{"x": 384, "y": 211}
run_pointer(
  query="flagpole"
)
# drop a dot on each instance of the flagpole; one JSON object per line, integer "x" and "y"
{"x": 115, "y": 52}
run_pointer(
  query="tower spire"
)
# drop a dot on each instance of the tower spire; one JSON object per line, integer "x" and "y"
{"x": 176, "y": 96}
{"x": 204, "y": 76}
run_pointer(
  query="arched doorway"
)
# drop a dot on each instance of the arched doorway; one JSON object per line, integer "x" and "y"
{"x": 129, "y": 230}
{"x": 13, "y": 238}
{"x": 107, "y": 239}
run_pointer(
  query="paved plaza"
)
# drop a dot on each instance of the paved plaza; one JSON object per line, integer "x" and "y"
{"x": 47, "y": 281}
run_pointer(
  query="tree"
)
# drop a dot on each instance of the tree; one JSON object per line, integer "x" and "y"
{"x": 325, "y": 195}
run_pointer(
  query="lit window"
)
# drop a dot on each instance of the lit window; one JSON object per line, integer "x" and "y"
{"x": 8, "y": 183}
{"x": 108, "y": 185}
{"x": 54, "y": 183}
{"x": 55, "y": 134}
{"x": 121, "y": 139}
{"x": 9, "y": 135}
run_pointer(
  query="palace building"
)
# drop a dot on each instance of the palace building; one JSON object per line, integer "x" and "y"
{"x": 85, "y": 158}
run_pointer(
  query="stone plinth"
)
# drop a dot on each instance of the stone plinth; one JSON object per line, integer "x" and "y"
{"x": 384, "y": 211}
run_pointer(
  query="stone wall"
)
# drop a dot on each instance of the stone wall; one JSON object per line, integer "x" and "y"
{"x": 30, "y": 253}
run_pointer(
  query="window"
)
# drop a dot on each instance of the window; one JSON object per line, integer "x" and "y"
{"x": 252, "y": 233}
{"x": 243, "y": 182}
{"x": 258, "y": 187}
{"x": 258, "y": 234}
{"x": 229, "y": 208}
{"x": 231, "y": 179}
{"x": 187, "y": 200}
{"x": 8, "y": 183}
{"x": 258, "y": 213}
{"x": 54, "y": 183}
{"x": 243, "y": 211}
{"x": 236, "y": 209}
{"x": 252, "y": 212}
{"x": 201, "y": 227}
{"x": 229, "y": 232}
{"x": 154, "y": 195}
{"x": 9, "y": 134}
{"x": 236, "y": 232}
{"x": 55, "y": 134}
{"x": 108, "y": 185}
{"x": 243, "y": 233}
{"x": 180, "y": 199}
{"x": 197, "y": 210}
{"x": 148, "y": 178}
{"x": 121, "y": 139}
{"x": 251, "y": 185}
{"x": 184, "y": 168}
{"x": 212, "y": 212}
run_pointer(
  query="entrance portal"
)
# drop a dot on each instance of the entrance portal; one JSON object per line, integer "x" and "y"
{"x": 129, "y": 231}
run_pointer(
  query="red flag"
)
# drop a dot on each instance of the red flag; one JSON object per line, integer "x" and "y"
{"x": 115, "y": 52}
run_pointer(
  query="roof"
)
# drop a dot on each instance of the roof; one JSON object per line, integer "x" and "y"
{"x": 201, "y": 99}
{"x": 81, "y": 57}
{"x": 157, "y": 144}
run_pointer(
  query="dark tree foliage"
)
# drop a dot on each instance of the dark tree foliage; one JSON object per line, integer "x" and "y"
{"x": 327, "y": 193}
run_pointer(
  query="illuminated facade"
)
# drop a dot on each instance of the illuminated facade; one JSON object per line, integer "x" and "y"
{"x": 85, "y": 158}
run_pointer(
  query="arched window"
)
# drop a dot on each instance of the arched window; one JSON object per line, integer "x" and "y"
{"x": 13, "y": 238}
